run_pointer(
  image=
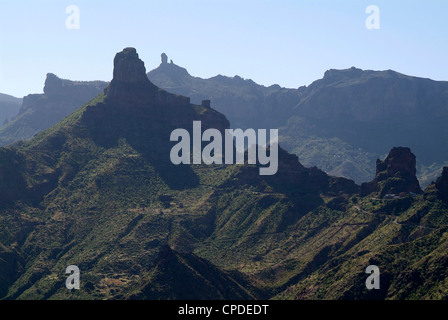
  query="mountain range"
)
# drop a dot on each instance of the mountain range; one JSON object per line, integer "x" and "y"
{"x": 341, "y": 123}
{"x": 98, "y": 190}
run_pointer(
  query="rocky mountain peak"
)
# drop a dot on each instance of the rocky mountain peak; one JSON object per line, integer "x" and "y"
{"x": 170, "y": 75}
{"x": 136, "y": 109}
{"x": 164, "y": 58}
{"x": 399, "y": 161}
{"x": 395, "y": 174}
{"x": 52, "y": 84}
{"x": 128, "y": 67}
{"x": 129, "y": 82}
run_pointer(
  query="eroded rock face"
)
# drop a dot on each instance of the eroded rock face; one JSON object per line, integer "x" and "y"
{"x": 128, "y": 67}
{"x": 130, "y": 83}
{"x": 53, "y": 84}
{"x": 136, "y": 109}
{"x": 442, "y": 184}
{"x": 394, "y": 175}
{"x": 399, "y": 161}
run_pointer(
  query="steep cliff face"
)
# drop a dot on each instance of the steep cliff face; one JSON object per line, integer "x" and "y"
{"x": 396, "y": 174}
{"x": 442, "y": 184}
{"x": 135, "y": 109}
{"x": 129, "y": 83}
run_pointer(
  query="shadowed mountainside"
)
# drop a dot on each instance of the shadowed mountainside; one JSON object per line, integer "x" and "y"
{"x": 98, "y": 190}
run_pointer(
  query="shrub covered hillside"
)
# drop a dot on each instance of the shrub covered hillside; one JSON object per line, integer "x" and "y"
{"x": 98, "y": 190}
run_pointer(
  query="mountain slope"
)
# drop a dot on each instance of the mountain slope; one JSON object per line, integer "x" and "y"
{"x": 99, "y": 191}
{"x": 176, "y": 274}
{"x": 88, "y": 181}
{"x": 405, "y": 237}
{"x": 366, "y": 113}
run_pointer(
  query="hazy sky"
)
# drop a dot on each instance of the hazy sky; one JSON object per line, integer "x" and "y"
{"x": 285, "y": 42}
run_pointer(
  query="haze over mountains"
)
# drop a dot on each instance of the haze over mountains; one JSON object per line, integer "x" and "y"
{"x": 9, "y": 107}
{"x": 99, "y": 191}
{"x": 341, "y": 123}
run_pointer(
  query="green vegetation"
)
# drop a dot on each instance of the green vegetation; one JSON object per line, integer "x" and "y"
{"x": 98, "y": 190}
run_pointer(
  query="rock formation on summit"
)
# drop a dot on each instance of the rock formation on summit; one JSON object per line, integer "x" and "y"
{"x": 396, "y": 174}
{"x": 129, "y": 82}
{"x": 128, "y": 67}
{"x": 137, "y": 110}
{"x": 164, "y": 58}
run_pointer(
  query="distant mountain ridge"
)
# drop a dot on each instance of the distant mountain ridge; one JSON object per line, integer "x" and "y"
{"x": 9, "y": 107}
{"x": 341, "y": 123}
{"x": 361, "y": 115}
{"x": 245, "y": 103}
{"x": 40, "y": 111}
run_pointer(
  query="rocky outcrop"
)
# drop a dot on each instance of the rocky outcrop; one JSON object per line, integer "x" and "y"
{"x": 340, "y": 123}
{"x": 396, "y": 174}
{"x": 128, "y": 67}
{"x": 129, "y": 83}
{"x": 442, "y": 184}
{"x": 172, "y": 78}
{"x": 135, "y": 109}
{"x": 164, "y": 58}
{"x": 293, "y": 177}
